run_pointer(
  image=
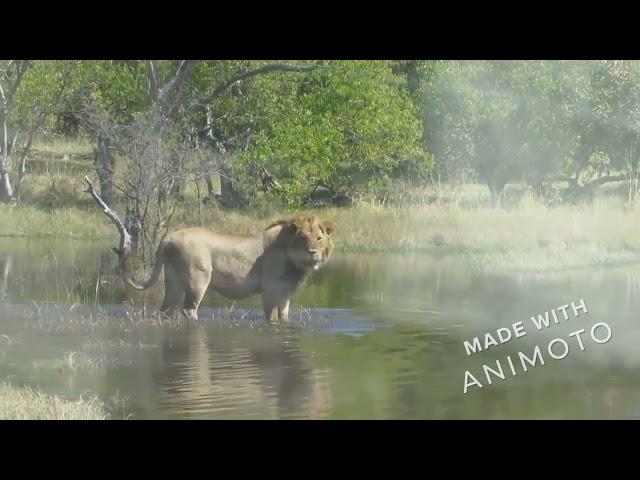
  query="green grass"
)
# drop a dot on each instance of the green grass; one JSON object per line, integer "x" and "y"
{"x": 532, "y": 235}
{"x": 74, "y": 362}
{"x": 28, "y": 404}
{"x": 34, "y": 221}
{"x": 57, "y": 145}
{"x": 523, "y": 234}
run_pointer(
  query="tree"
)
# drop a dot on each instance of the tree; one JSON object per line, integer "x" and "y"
{"x": 228, "y": 116}
{"x": 11, "y": 74}
{"x": 32, "y": 94}
{"x": 160, "y": 140}
{"x": 350, "y": 126}
{"x": 501, "y": 120}
{"x": 38, "y": 101}
{"x": 149, "y": 145}
{"x": 603, "y": 117}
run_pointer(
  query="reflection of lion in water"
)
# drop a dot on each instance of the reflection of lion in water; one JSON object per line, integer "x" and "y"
{"x": 273, "y": 264}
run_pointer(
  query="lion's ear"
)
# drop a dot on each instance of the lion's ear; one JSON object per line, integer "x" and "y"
{"x": 328, "y": 226}
{"x": 297, "y": 222}
{"x": 279, "y": 223}
{"x": 278, "y": 233}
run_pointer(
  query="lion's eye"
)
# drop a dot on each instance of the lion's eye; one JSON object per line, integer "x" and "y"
{"x": 319, "y": 238}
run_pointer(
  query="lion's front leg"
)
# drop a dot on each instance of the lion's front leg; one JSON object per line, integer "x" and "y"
{"x": 283, "y": 310}
{"x": 270, "y": 310}
{"x": 275, "y": 307}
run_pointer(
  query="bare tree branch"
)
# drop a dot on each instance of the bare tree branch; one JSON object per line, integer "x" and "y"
{"x": 271, "y": 68}
{"x": 594, "y": 183}
{"x": 152, "y": 81}
{"x": 608, "y": 179}
{"x": 124, "y": 248}
{"x": 169, "y": 91}
{"x": 561, "y": 178}
{"x": 21, "y": 67}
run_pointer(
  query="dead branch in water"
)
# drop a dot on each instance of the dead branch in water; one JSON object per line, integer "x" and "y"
{"x": 124, "y": 248}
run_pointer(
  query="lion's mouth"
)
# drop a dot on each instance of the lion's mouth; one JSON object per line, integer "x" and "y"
{"x": 315, "y": 262}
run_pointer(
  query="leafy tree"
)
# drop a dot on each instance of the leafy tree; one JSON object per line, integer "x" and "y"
{"x": 350, "y": 125}
{"x": 33, "y": 94}
{"x": 534, "y": 121}
{"x": 500, "y": 120}
{"x": 603, "y": 115}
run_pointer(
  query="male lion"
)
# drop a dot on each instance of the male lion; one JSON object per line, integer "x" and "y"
{"x": 273, "y": 264}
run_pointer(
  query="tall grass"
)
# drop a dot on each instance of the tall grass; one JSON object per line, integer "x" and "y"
{"x": 414, "y": 227}
{"x": 607, "y": 222}
{"x": 34, "y": 221}
{"x": 28, "y": 404}
{"x": 61, "y": 145}
{"x": 403, "y": 218}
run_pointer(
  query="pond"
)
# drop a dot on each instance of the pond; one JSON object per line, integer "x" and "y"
{"x": 372, "y": 336}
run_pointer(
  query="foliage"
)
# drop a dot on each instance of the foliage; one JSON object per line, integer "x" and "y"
{"x": 347, "y": 125}
{"x": 353, "y": 126}
{"x": 507, "y": 121}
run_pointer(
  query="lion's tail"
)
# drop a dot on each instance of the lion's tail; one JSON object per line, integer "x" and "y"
{"x": 157, "y": 269}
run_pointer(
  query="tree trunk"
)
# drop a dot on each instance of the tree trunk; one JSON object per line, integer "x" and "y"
{"x": 496, "y": 188}
{"x": 124, "y": 247}
{"x": 105, "y": 167}
{"x": 210, "y": 192}
{"x": 413, "y": 78}
{"x": 133, "y": 224}
{"x": 6, "y": 190}
{"x": 5, "y": 270}
{"x": 227, "y": 191}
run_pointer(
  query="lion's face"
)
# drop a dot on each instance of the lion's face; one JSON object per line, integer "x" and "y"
{"x": 309, "y": 245}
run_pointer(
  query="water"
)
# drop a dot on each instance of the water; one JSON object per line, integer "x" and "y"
{"x": 371, "y": 337}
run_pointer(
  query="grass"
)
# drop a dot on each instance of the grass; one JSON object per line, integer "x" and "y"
{"x": 61, "y": 146}
{"x": 532, "y": 235}
{"x": 28, "y": 404}
{"x": 73, "y": 362}
{"x": 603, "y": 232}
{"x": 33, "y": 221}
{"x": 438, "y": 219}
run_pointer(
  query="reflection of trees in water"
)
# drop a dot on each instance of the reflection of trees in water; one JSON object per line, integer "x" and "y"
{"x": 632, "y": 292}
{"x": 5, "y": 270}
{"x": 214, "y": 373}
{"x": 356, "y": 280}
{"x": 61, "y": 272}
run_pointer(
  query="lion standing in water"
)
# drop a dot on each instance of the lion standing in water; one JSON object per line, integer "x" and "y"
{"x": 273, "y": 264}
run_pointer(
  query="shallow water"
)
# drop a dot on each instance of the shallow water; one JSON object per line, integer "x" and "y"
{"x": 371, "y": 337}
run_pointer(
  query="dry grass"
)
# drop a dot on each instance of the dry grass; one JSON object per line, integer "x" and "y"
{"x": 532, "y": 234}
{"x": 27, "y": 404}
{"x": 375, "y": 227}
{"x": 74, "y": 362}
{"x": 59, "y": 145}
{"x": 32, "y": 221}
{"x": 439, "y": 218}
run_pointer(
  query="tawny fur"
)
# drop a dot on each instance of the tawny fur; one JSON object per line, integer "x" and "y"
{"x": 272, "y": 265}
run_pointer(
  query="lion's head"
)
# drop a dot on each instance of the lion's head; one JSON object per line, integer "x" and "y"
{"x": 307, "y": 240}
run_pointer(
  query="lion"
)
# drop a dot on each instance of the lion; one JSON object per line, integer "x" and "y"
{"x": 273, "y": 264}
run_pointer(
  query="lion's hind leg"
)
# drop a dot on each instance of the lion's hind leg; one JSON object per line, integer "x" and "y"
{"x": 195, "y": 288}
{"x": 173, "y": 291}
